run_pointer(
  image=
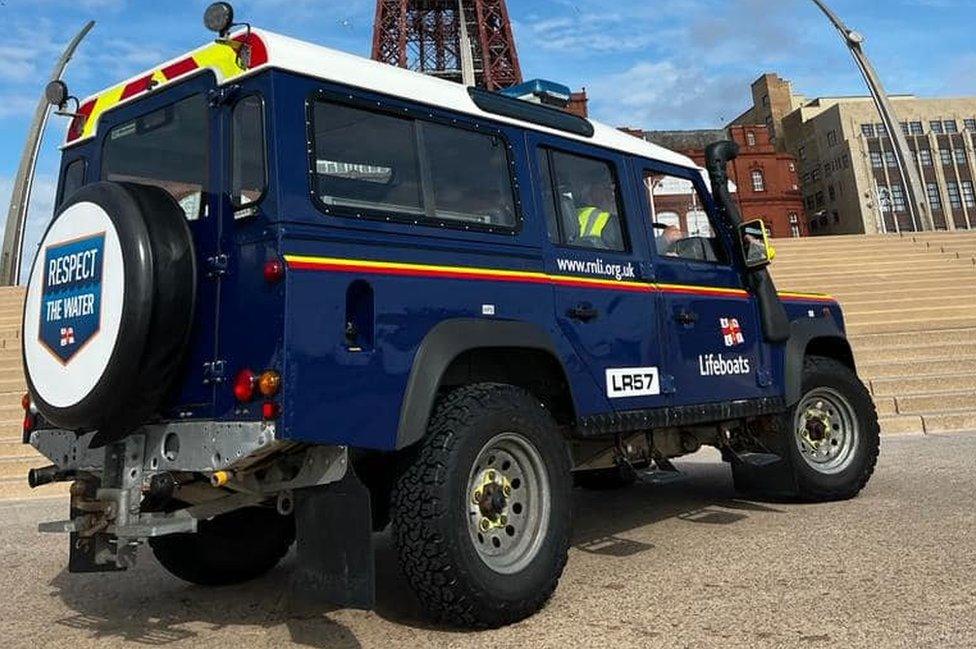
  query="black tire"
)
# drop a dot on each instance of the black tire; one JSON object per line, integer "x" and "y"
{"x": 228, "y": 549}
{"x": 814, "y": 486}
{"x": 156, "y": 312}
{"x": 429, "y": 510}
{"x": 619, "y": 477}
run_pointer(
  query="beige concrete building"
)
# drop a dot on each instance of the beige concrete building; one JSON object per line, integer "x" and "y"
{"x": 847, "y": 166}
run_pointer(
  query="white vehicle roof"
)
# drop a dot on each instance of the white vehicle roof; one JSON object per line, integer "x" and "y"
{"x": 325, "y": 63}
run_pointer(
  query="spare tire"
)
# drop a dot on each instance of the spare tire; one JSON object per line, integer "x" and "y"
{"x": 109, "y": 308}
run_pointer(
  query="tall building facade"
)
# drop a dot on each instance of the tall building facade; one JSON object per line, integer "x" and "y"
{"x": 848, "y": 171}
{"x": 766, "y": 181}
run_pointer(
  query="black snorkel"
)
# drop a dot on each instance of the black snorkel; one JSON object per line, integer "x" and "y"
{"x": 772, "y": 314}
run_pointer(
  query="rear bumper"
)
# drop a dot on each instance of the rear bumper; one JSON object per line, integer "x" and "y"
{"x": 191, "y": 446}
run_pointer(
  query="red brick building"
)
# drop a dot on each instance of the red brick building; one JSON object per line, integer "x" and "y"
{"x": 767, "y": 185}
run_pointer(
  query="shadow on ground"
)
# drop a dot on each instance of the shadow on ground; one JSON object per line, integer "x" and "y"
{"x": 148, "y": 606}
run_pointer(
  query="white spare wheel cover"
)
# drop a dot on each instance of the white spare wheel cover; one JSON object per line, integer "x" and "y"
{"x": 74, "y": 305}
{"x": 109, "y": 308}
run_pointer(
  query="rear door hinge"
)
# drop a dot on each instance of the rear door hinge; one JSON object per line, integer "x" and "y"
{"x": 214, "y": 372}
{"x": 222, "y": 95}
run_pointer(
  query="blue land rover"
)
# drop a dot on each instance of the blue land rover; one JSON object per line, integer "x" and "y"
{"x": 290, "y": 296}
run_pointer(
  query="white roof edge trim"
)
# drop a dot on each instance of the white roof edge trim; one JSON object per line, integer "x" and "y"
{"x": 328, "y": 64}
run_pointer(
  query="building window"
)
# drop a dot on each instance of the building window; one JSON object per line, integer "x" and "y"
{"x": 758, "y": 181}
{"x": 765, "y": 100}
{"x": 946, "y": 155}
{"x": 795, "y": 225}
{"x": 832, "y": 193}
{"x": 970, "y": 124}
{"x": 935, "y": 200}
{"x": 955, "y": 198}
{"x": 925, "y": 156}
{"x": 960, "y": 156}
{"x": 751, "y": 138}
{"x": 867, "y": 130}
{"x": 951, "y": 126}
{"x": 832, "y": 138}
{"x": 890, "y": 159}
{"x": 820, "y": 200}
{"x": 904, "y": 127}
{"x": 881, "y": 130}
{"x": 968, "y": 196}
{"x": 898, "y": 198}
{"x": 916, "y": 128}
{"x": 792, "y": 167}
{"x": 936, "y": 127}
{"x": 877, "y": 161}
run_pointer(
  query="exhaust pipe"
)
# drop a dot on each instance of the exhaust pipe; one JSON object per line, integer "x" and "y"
{"x": 46, "y": 475}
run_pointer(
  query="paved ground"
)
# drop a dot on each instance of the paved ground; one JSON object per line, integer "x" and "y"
{"x": 685, "y": 565}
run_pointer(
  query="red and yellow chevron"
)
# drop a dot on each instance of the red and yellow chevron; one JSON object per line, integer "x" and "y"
{"x": 220, "y": 57}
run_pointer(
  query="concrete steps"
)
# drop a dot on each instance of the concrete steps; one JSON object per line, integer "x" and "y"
{"x": 910, "y": 305}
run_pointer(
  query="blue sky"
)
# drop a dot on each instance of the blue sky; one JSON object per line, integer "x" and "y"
{"x": 645, "y": 63}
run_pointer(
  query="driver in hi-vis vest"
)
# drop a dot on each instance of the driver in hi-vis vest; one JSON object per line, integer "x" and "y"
{"x": 599, "y": 212}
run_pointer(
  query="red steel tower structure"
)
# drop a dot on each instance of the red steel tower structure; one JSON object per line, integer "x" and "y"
{"x": 426, "y": 36}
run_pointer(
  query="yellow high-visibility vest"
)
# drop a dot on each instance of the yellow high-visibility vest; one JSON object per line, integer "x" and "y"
{"x": 592, "y": 222}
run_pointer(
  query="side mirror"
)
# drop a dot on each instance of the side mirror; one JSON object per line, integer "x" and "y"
{"x": 757, "y": 251}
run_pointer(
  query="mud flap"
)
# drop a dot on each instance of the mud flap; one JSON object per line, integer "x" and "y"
{"x": 769, "y": 472}
{"x": 335, "y": 544}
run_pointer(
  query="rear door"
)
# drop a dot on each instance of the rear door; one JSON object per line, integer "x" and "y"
{"x": 715, "y": 350}
{"x": 604, "y": 304}
{"x": 166, "y": 140}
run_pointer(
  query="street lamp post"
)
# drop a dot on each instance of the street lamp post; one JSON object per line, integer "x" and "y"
{"x": 918, "y": 205}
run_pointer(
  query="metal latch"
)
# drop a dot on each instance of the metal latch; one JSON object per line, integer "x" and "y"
{"x": 218, "y": 265}
{"x": 214, "y": 372}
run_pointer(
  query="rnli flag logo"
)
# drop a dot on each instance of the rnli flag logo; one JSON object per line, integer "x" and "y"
{"x": 731, "y": 332}
{"x": 71, "y": 301}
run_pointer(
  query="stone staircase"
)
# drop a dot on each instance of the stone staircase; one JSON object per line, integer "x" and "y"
{"x": 15, "y": 457}
{"x": 910, "y": 304}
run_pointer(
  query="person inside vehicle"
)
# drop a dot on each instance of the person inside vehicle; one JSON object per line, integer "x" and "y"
{"x": 598, "y": 223}
{"x": 668, "y": 240}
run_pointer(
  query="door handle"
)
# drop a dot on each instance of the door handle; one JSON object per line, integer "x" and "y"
{"x": 687, "y": 317}
{"x": 583, "y": 313}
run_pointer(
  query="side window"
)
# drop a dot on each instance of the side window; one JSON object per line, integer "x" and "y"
{"x": 375, "y": 164}
{"x": 582, "y": 202}
{"x": 74, "y": 178}
{"x": 248, "y": 152}
{"x": 682, "y": 228}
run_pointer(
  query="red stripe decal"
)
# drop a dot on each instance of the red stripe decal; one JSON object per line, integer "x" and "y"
{"x": 78, "y": 123}
{"x": 179, "y": 68}
{"x": 135, "y": 87}
{"x": 578, "y": 282}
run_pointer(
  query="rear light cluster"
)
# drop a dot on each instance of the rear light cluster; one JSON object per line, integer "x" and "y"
{"x": 30, "y": 412}
{"x": 249, "y": 386}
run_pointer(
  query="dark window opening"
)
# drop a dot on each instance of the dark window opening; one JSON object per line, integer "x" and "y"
{"x": 167, "y": 148}
{"x": 582, "y": 202}
{"x": 72, "y": 180}
{"x": 378, "y": 165}
{"x": 248, "y": 152}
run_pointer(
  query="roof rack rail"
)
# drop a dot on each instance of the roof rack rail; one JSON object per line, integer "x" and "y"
{"x": 492, "y": 102}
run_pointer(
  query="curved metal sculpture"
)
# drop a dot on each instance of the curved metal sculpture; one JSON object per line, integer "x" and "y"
{"x": 13, "y": 238}
{"x": 919, "y": 208}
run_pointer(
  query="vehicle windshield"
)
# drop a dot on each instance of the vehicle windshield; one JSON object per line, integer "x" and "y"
{"x": 166, "y": 148}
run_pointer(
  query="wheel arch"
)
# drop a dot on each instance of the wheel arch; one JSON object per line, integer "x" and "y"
{"x": 461, "y": 351}
{"x": 820, "y": 337}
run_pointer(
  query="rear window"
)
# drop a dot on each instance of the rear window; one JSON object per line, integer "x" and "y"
{"x": 73, "y": 179}
{"x": 389, "y": 167}
{"x": 166, "y": 148}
